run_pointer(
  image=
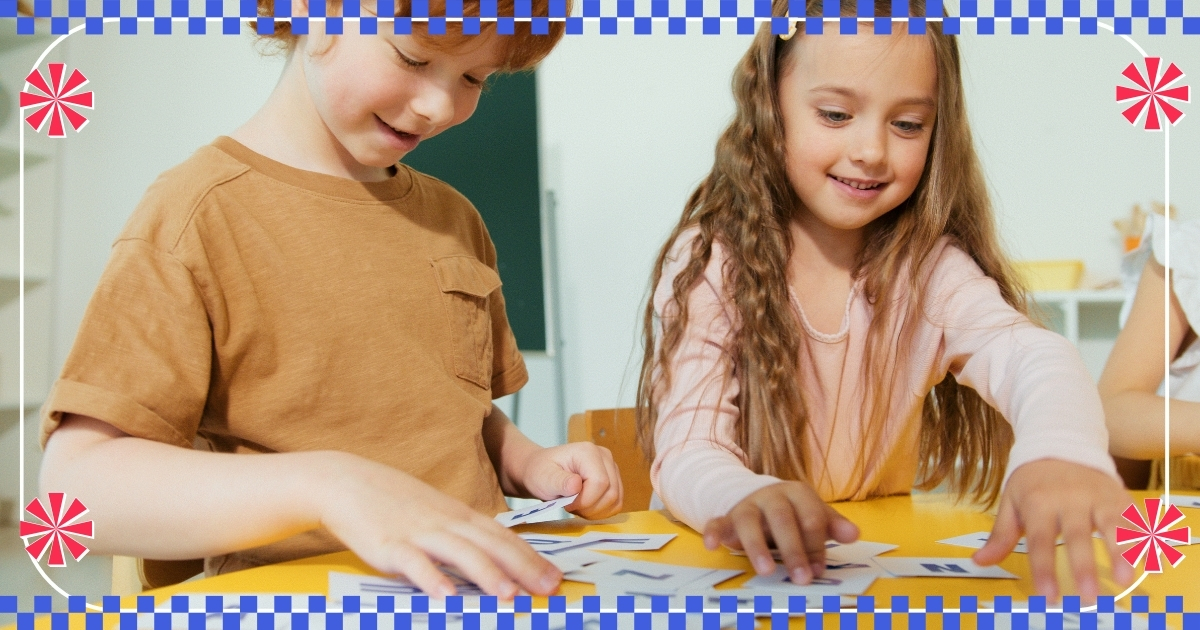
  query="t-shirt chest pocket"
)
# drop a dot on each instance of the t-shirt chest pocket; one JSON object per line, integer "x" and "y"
{"x": 466, "y": 283}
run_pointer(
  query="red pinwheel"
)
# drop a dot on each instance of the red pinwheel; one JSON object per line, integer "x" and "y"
{"x": 57, "y": 100}
{"x": 1151, "y": 93}
{"x": 1153, "y": 537}
{"x": 57, "y": 530}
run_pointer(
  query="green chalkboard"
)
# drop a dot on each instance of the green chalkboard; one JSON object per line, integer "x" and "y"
{"x": 492, "y": 159}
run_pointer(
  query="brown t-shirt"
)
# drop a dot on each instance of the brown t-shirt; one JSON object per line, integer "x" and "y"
{"x": 259, "y": 308}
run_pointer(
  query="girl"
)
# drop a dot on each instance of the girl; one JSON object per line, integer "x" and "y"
{"x": 833, "y": 319}
{"x": 327, "y": 322}
{"x": 1132, "y": 384}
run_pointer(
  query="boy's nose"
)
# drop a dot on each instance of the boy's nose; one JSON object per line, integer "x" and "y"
{"x": 435, "y": 104}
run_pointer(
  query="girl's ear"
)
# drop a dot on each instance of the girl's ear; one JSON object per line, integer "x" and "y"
{"x": 300, "y": 8}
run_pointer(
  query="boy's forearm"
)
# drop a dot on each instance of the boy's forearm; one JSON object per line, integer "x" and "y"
{"x": 158, "y": 501}
{"x": 508, "y": 449}
{"x": 1135, "y": 425}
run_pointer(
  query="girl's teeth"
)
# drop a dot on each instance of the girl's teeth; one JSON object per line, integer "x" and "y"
{"x": 855, "y": 185}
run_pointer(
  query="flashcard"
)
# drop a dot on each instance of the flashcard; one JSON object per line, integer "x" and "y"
{"x": 371, "y": 586}
{"x": 850, "y": 578}
{"x": 745, "y": 600}
{"x": 642, "y": 601}
{"x": 939, "y": 567}
{"x": 516, "y": 517}
{"x": 1185, "y": 500}
{"x": 707, "y": 582}
{"x": 858, "y": 551}
{"x": 979, "y": 539}
{"x": 640, "y": 577}
{"x": 575, "y": 560}
{"x": 598, "y": 541}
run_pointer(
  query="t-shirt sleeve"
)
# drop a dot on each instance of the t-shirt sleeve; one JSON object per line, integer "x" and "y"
{"x": 1032, "y": 376}
{"x": 508, "y": 366}
{"x": 699, "y": 471}
{"x": 142, "y": 357}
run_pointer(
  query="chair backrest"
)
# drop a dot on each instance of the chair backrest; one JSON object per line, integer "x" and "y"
{"x": 616, "y": 430}
{"x": 134, "y": 575}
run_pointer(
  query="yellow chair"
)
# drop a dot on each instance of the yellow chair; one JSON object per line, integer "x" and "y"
{"x": 134, "y": 575}
{"x": 616, "y": 430}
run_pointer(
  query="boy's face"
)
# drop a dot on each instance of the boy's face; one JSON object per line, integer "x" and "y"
{"x": 378, "y": 96}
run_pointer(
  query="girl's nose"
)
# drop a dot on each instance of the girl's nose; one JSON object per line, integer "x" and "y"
{"x": 869, "y": 146}
{"x": 434, "y": 103}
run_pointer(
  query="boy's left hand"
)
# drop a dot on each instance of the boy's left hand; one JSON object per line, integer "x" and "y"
{"x": 1047, "y": 498}
{"x": 579, "y": 468}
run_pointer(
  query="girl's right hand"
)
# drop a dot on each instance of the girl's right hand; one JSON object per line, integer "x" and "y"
{"x": 794, "y": 518}
{"x": 400, "y": 525}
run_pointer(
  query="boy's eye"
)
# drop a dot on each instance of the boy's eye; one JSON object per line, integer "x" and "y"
{"x": 409, "y": 60}
{"x": 833, "y": 116}
{"x": 908, "y": 126}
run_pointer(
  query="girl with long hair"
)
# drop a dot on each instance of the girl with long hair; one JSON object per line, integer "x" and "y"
{"x": 834, "y": 319}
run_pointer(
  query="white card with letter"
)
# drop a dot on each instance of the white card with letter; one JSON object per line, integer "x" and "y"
{"x": 516, "y": 517}
{"x": 940, "y": 567}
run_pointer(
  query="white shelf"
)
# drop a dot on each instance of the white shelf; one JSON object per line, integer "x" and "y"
{"x": 10, "y": 286}
{"x": 1070, "y": 301}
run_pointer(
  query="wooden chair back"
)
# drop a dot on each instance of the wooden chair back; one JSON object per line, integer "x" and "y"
{"x": 616, "y": 430}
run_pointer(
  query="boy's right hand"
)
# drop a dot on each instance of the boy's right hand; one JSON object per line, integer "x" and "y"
{"x": 400, "y": 525}
{"x": 793, "y": 517}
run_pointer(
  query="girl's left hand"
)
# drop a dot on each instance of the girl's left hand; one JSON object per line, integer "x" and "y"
{"x": 579, "y": 468}
{"x": 1047, "y": 498}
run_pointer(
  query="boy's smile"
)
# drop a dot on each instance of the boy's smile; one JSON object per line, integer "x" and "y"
{"x": 858, "y": 114}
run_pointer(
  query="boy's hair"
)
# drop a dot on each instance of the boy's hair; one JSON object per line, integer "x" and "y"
{"x": 523, "y": 49}
{"x": 746, "y": 203}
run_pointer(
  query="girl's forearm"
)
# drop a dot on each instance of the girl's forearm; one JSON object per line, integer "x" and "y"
{"x": 159, "y": 501}
{"x": 1135, "y": 425}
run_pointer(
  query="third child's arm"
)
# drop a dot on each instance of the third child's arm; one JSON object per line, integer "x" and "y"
{"x": 160, "y": 501}
{"x": 1129, "y": 385}
{"x": 528, "y": 470}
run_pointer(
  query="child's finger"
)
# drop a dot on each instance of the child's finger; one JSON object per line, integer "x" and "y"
{"x": 1106, "y": 524}
{"x": 841, "y": 528}
{"x": 748, "y": 525}
{"x": 608, "y": 502}
{"x": 404, "y": 559}
{"x": 513, "y": 556}
{"x": 1006, "y": 532}
{"x": 719, "y": 531}
{"x": 1041, "y": 533}
{"x": 781, "y": 520}
{"x": 472, "y": 563}
{"x": 1077, "y": 537}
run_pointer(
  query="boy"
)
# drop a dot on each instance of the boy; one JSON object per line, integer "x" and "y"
{"x": 328, "y": 324}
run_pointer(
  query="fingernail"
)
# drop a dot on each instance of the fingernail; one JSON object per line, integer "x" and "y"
{"x": 800, "y": 576}
{"x": 817, "y": 568}
{"x": 764, "y": 566}
{"x": 508, "y": 590}
{"x": 549, "y": 583}
{"x": 447, "y": 590}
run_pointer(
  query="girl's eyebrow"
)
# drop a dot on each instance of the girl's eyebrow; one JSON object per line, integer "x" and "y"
{"x": 851, "y": 94}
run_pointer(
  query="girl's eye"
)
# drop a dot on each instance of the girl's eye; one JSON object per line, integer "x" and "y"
{"x": 833, "y": 116}
{"x": 908, "y": 126}
{"x": 473, "y": 81}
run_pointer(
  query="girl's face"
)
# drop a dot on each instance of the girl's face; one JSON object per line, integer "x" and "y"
{"x": 858, "y": 113}
{"x": 378, "y": 96}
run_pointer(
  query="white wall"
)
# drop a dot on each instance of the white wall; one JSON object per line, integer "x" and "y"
{"x": 629, "y": 124}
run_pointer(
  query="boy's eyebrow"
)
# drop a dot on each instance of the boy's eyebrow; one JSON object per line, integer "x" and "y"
{"x": 849, "y": 93}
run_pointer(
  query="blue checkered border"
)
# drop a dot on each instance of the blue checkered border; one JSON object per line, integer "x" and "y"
{"x": 728, "y": 17}
{"x": 195, "y": 610}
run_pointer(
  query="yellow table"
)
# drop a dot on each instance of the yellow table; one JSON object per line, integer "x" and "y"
{"x": 914, "y": 523}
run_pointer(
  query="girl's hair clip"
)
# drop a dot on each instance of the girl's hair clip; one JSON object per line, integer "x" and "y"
{"x": 791, "y": 31}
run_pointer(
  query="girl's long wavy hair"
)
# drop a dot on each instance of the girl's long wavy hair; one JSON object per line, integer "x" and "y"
{"x": 746, "y": 203}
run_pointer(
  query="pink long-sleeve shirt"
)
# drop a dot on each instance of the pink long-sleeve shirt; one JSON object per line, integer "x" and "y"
{"x": 1035, "y": 378}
